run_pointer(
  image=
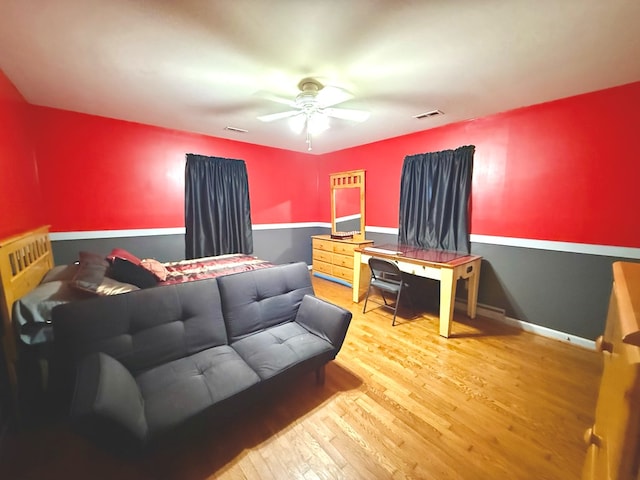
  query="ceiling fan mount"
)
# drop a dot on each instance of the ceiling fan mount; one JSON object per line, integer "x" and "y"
{"x": 309, "y": 89}
{"x": 307, "y": 100}
{"x": 309, "y": 84}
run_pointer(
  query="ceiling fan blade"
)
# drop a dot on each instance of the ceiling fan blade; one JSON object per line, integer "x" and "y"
{"x": 347, "y": 114}
{"x": 329, "y": 96}
{"x": 275, "y": 98}
{"x": 278, "y": 116}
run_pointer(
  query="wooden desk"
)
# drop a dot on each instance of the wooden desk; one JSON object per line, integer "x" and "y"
{"x": 447, "y": 267}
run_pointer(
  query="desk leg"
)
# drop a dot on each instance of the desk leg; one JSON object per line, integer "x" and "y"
{"x": 472, "y": 290}
{"x": 357, "y": 274}
{"x": 447, "y": 300}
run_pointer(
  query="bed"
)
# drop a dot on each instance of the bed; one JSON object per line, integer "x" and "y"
{"x": 24, "y": 261}
{"x": 32, "y": 285}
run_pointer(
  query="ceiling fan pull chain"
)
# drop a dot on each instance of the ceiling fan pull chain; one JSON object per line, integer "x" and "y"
{"x": 307, "y": 132}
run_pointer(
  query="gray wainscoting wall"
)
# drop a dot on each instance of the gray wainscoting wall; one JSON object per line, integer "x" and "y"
{"x": 164, "y": 248}
{"x": 282, "y": 245}
{"x": 563, "y": 291}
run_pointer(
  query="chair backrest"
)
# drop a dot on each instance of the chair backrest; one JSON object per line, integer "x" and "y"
{"x": 385, "y": 270}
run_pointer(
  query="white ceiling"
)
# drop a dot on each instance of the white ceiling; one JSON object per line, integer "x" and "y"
{"x": 199, "y": 65}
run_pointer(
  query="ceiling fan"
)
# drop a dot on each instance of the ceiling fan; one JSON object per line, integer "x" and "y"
{"x": 313, "y": 107}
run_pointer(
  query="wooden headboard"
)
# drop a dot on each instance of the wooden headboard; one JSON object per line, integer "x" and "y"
{"x": 24, "y": 260}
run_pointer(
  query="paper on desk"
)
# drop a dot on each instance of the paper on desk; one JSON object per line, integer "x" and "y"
{"x": 382, "y": 250}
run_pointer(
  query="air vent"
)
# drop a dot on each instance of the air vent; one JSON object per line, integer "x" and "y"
{"x": 236, "y": 129}
{"x": 432, "y": 113}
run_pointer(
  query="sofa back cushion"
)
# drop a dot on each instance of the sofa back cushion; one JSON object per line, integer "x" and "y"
{"x": 144, "y": 328}
{"x": 255, "y": 300}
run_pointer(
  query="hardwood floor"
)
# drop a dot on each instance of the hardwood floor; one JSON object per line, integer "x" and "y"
{"x": 399, "y": 402}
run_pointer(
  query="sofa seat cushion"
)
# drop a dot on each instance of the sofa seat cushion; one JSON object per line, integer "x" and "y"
{"x": 180, "y": 389}
{"x": 278, "y": 348}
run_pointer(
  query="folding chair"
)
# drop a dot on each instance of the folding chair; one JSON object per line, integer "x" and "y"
{"x": 386, "y": 277}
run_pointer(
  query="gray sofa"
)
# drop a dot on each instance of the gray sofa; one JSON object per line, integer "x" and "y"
{"x": 150, "y": 361}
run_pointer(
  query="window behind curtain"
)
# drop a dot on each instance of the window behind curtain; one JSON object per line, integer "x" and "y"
{"x": 434, "y": 199}
{"x": 217, "y": 207}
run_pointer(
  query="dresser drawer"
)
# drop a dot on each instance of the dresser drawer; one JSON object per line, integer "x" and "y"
{"x": 344, "y": 248}
{"x": 334, "y": 258}
{"x": 320, "y": 244}
{"x": 322, "y": 267}
{"x": 343, "y": 273}
{"x": 322, "y": 255}
{"x": 345, "y": 261}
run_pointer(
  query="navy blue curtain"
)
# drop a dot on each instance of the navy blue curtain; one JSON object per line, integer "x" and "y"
{"x": 434, "y": 199}
{"x": 217, "y": 209}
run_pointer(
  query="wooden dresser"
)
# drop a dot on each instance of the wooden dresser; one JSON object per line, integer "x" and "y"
{"x": 614, "y": 440}
{"x": 333, "y": 259}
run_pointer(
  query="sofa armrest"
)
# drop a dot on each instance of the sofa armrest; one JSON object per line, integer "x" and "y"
{"x": 107, "y": 401}
{"x": 324, "y": 319}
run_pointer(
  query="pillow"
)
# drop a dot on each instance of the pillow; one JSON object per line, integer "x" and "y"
{"x": 61, "y": 273}
{"x": 128, "y": 272}
{"x": 91, "y": 277}
{"x": 91, "y": 271}
{"x": 123, "y": 254}
{"x": 155, "y": 267}
{"x": 109, "y": 286}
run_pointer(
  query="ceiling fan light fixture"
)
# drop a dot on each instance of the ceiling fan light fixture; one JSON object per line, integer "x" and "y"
{"x": 317, "y": 123}
{"x": 296, "y": 123}
{"x": 311, "y": 122}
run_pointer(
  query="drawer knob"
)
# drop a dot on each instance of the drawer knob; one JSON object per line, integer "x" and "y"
{"x": 603, "y": 346}
{"x": 590, "y": 438}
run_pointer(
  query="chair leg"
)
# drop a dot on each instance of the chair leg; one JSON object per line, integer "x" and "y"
{"x": 384, "y": 299}
{"x": 395, "y": 310}
{"x": 366, "y": 298}
{"x": 386, "y": 303}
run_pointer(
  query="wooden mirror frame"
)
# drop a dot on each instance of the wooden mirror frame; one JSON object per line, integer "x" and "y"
{"x": 343, "y": 180}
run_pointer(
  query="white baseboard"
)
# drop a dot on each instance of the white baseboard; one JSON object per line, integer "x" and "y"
{"x": 499, "y": 314}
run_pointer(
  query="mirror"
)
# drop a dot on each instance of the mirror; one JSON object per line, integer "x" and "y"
{"x": 347, "y": 210}
{"x": 347, "y": 204}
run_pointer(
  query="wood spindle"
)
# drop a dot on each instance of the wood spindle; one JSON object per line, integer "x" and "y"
{"x": 603, "y": 346}
{"x": 591, "y": 438}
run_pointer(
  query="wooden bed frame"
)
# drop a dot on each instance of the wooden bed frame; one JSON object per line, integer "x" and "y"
{"x": 24, "y": 259}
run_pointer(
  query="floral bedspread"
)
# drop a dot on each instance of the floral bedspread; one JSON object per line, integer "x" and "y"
{"x": 211, "y": 267}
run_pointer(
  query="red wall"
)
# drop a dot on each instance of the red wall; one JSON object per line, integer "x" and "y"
{"x": 565, "y": 170}
{"x": 20, "y": 201}
{"x": 105, "y": 174}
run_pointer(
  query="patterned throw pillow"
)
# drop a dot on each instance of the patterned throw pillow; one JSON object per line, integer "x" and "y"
{"x": 154, "y": 266}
